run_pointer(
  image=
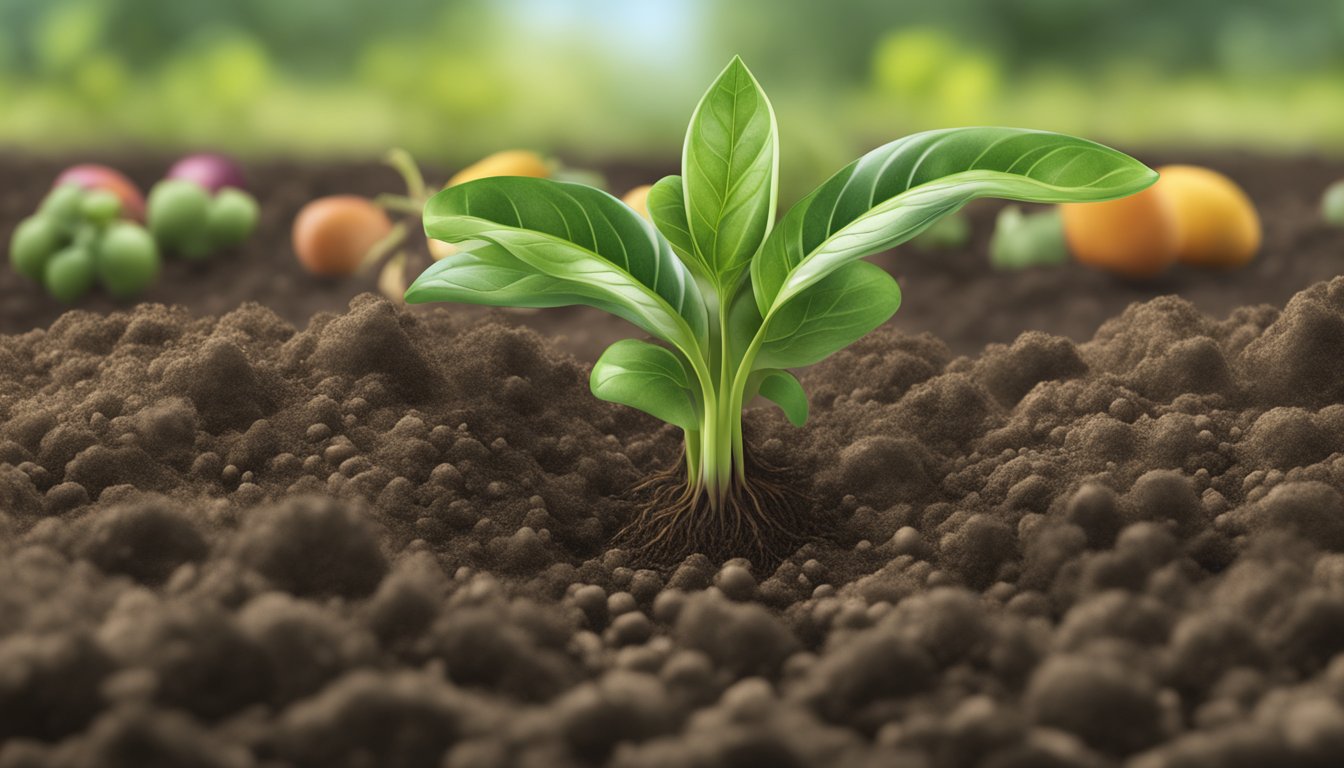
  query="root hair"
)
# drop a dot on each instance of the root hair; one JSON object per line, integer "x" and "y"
{"x": 764, "y": 518}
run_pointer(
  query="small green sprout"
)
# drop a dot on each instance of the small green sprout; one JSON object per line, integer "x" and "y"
{"x": 736, "y": 298}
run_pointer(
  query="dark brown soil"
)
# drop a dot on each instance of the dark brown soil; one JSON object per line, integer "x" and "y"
{"x": 380, "y": 540}
{"x": 951, "y": 294}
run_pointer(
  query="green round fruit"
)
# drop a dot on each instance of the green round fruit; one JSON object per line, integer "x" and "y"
{"x": 70, "y": 273}
{"x": 1022, "y": 240}
{"x": 100, "y": 206}
{"x": 232, "y": 217}
{"x": 62, "y": 205}
{"x": 176, "y": 212}
{"x": 35, "y": 241}
{"x": 128, "y": 260}
{"x": 1332, "y": 204}
{"x": 86, "y": 234}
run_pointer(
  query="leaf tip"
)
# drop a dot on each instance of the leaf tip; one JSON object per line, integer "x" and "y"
{"x": 737, "y": 66}
{"x": 416, "y": 292}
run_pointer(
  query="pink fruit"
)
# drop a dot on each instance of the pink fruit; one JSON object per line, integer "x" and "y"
{"x": 210, "y": 170}
{"x": 92, "y": 176}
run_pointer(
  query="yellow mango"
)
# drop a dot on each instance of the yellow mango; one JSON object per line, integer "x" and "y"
{"x": 510, "y": 162}
{"x": 1216, "y": 223}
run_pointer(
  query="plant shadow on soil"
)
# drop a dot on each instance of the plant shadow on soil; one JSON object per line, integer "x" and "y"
{"x": 382, "y": 539}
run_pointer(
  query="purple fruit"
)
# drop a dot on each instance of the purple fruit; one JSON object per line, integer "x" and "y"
{"x": 212, "y": 171}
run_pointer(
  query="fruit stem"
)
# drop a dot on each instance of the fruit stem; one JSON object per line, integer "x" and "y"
{"x": 389, "y": 243}
{"x": 402, "y": 162}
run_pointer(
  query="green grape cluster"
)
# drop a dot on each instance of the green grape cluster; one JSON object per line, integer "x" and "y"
{"x": 78, "y": 238}
{"x": 188, "y": 222}
{"x": 75, "y": 239}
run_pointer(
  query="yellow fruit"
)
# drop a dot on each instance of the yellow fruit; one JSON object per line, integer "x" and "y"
{"x": 638, "y": 198}
{"x": 440, "y": 250}
{"x": 510, "y": 162}
{"x": 392, "y": 280}
{"x": 1134, "y": 236}
{"x": 1216, "y": 223}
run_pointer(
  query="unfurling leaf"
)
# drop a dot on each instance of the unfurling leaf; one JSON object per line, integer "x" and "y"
{"x": 729, "y": 170}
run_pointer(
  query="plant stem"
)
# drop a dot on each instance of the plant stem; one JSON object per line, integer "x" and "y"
{"x": 693, "y": 462}
{"x": 737, "y": 394}
{"x": 400, "y": 204}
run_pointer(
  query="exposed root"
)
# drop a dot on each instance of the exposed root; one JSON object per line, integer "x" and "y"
{"x": 764, "y": 519}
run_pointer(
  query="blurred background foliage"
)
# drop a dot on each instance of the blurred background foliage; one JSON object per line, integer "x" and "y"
{"x": 593, "y": 81}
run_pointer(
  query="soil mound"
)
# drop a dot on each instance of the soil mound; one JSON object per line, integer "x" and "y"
{"x": 382, "y": 540}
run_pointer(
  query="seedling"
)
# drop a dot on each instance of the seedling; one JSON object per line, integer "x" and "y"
{"x": 735, "y": 298}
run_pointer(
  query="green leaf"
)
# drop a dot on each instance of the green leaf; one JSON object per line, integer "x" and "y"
{"x": 894, "y": 192}
{"x": 491, "y": 276}
{"x": 649, "y": 378}
{"x": 667, "y": 208}
{"x": 828, "y": 316}
{"x": 730, "y": 165}
{"x": 782, "y": 389}
{"x": 578, "y": 235}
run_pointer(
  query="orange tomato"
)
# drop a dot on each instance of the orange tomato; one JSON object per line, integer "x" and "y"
{"x": 332, "y": 235}
{"x": 1134, "y": 236}
{"x": 1216, "y": 223}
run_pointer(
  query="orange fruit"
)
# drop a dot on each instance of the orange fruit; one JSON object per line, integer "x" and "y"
{"x": 1216, "y": 223}
{"x": 332, "y": 235}
{"x": 1133, "y": 236}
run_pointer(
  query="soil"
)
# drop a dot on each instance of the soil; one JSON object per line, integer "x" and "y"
{"x": 950, "y": 293}
{"x": 380, "y": 538}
